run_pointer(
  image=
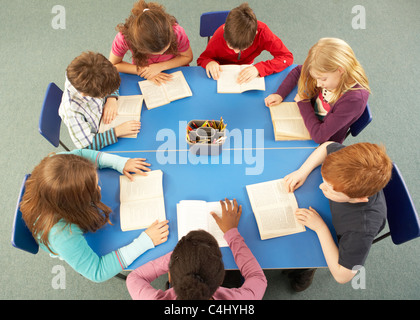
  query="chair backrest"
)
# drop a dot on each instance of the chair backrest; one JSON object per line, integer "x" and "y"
{"x": 402, "y": 217}
{"x": 49, "y": 120}
{"x": 21, "y": 236}
{"x": 361, "y": 123}
{"x": 210, "y": 21}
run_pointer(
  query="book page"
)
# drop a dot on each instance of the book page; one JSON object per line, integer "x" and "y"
{"x": 178, "y": 87}
{"x": 213, "y": 227}
{"x": 129, "y": 108}
{"x": 141, "y": 214}
{"x": 142, "y": 200}
{"x": 292, "y": 128}
{"x": 227, "y": 79}
{"x": 195, "y": 215}
{"x": 257, "y": 83}
{"x": 130, "y": 105}
{"x": 227, "y": 82}
{"x": 143, "y": 187}
{"x": 120, "y": 119}
{"x": 288, "y": 123}
{"x": 191, "y": 216}
{"x": 154, "y": 95}
{"x": 285, "y": 110}
{"x": 273, "y": 209}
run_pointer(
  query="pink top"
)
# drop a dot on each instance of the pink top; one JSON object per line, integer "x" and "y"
{"x": 139, "y": 287}
{"x": 120, "y": 46}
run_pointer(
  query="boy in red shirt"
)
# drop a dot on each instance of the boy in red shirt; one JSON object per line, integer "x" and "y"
{"x": 239, "y": 41}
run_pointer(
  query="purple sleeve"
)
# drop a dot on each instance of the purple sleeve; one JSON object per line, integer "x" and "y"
{"x": 290, "y": 82}
{"x": 345, "y": 111}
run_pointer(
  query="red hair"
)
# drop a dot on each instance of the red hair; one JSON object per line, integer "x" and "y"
{"x": 359, "y": 170}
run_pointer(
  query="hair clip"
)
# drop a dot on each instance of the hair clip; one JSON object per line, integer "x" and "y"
{"x": 145, "y": 10}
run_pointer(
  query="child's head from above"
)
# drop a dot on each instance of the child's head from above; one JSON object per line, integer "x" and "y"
{"x": 331, "y": 64}
{"x": 63, "y": 186}
{"x": 240, "y": 28}
{"x": 196, "y": 268}
{"x": 356, "y": 172}
{"x": 149, "y": 31}
{"x": 93, "y": 75}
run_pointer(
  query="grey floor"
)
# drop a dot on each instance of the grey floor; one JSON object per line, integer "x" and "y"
{"x": 34, "y": 54}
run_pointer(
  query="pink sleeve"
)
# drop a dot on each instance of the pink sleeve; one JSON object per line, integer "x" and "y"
{"x": 119, "y": 45}
{"x": 255, "y": 282}
{"x": 139, "y": 281}
{"x": 183, "y": 41}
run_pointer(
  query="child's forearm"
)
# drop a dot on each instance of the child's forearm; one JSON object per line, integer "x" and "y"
{"x": 315, "y": 159}
{"x": 126, "y": 67}
{"x": 330, "y": 250}
{"x": 179, "y": 61}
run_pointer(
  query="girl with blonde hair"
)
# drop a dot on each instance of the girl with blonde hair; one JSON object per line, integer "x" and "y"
{"x": 332, "y": 90}
{"x": 62, "y": 201}
{"x": 156, "y": 40}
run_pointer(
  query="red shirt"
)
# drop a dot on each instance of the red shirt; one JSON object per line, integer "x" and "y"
{"x": 217, "y": 50}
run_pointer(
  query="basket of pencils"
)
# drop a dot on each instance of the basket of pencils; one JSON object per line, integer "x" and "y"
{"x": 206, "y": 137}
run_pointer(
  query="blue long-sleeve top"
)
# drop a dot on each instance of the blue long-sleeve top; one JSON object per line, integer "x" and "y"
{"x": 69, "y": 243}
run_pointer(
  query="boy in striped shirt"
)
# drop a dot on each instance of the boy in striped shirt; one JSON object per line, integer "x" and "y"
{"x": 91, "y": 93}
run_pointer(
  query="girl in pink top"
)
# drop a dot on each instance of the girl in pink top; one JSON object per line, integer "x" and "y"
{"x": 156, "y": 41}
{"x": 195, "y": 267}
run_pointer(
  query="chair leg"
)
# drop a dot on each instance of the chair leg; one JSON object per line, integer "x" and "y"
{"x": 386, "y": 235}
{"x": 64, "y": 146}
{"x": 121, "y": 276}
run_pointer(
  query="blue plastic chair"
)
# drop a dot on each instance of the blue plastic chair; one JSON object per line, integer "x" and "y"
{"x": 360, "y": 123}
{"x": 210, "y": 21}
{"x": 21, "y": 235}
{"x": 403, "y": 220}
{"x": 50, "y": 121}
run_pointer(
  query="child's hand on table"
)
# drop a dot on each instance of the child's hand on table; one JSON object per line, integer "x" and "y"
{"x": 294, "y": 180}
{"x": 136, "y": 165}
{"x": 273, "y": 100}
{"x": 248, "y": 74}
{"x": 230, "y": 215}
{"x": 158, "y": 232}
{"x": 213, "y": 70}
{"x": 127, "y": 128}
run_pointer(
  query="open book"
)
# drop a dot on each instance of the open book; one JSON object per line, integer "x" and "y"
{"x": 274, "y": 209}
{"x": 159, "y": 95}
{"x": 195, "y": 215}
{"x": 228, "y": 76}
{"x": 129, "y": 108}
{"x": 288, "y": 123}
{"x": 141, "y": 200}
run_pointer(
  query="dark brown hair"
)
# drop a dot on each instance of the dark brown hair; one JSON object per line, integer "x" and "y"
{"x": 63, "y": 187}
{"x": 149, "y": 31}
{"x": 241, "y": 27}
{"x": 94, "y": 75}
{"x": 196, "y": 266}
{"x": 359, "y": 170}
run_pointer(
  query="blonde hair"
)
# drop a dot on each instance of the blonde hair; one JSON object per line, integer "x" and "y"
{"x": 326, "y": 56}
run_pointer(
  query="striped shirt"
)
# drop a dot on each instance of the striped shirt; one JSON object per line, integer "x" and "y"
{"x": 82, "y": 116}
